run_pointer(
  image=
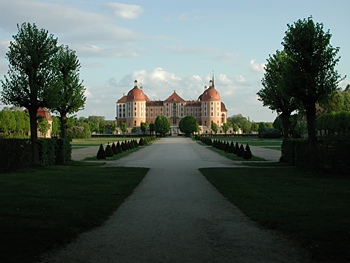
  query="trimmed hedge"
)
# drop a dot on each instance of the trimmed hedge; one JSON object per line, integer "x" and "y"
{"x": 16, "y": 153}
{"x": 330, "y": 155}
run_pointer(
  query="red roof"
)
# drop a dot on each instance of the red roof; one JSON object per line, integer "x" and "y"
{"x": 174, "y": 98}
{"x": 223, "y": 107}
{"x": 122, "y": 100}
{"x": 44, "y": 113}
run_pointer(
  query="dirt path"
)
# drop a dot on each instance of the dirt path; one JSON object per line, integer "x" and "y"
{"x": 176, "y": 215}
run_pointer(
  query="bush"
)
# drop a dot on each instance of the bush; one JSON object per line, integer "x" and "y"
{"x": 270, "y": 133}
{"x": 109, "y": 151}
{"x": 114, "y": 148}
{"x": 247, "y": 153}
{"x": 15, "y": 153}
{"x": 101, "y": 154}
{"x": 240, "y": 151}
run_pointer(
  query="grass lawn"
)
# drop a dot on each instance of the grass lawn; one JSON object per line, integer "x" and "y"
{"x": 44, "y": 208}
{"x": 312, "y": 209}
{"x": 255, "y": 141}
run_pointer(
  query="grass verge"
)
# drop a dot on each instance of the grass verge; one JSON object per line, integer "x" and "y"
{"x": 312, "y": 209}
{"x": 97, "y": 141}
{"x": 44, "y": 208}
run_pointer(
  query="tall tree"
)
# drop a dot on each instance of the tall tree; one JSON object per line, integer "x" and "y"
{"x": 144, "y": 127}
{"x": 214, "y": 127}
{"x": 161, "y": 125}
{"x": 225, "y": 127}
{"x": 311, "y": 67}
{"x": 30, "y": 72}
{"x": 275, "y": 93}
{"x": 188, "y": 125}
{"x": 66, "y": 95}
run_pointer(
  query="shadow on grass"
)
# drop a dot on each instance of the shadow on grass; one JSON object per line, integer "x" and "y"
{"x": 312, "y": 209}
{"x": 45, "y": 208}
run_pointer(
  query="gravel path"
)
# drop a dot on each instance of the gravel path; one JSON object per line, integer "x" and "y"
{"x": 176, "y": 215}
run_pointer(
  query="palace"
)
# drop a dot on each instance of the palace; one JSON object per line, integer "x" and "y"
{"x": 136, "y": 107}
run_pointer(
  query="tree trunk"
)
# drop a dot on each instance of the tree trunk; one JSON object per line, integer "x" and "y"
{"x": 285, "y": 121}
{"x": 63, "y": 120}
{"x": 34, "y": 135}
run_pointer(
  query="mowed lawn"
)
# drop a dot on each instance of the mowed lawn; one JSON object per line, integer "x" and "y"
{"x": 44, "y": 208}
{"x": 255, "y": 141}
{"x": 312, "y": 209}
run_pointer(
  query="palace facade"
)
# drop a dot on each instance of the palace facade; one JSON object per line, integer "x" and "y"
{"x": 136, "y": 107}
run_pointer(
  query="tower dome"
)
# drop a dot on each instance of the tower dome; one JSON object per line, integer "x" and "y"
{"x": 136, "y": 94}
{"x": 210, "y": 93}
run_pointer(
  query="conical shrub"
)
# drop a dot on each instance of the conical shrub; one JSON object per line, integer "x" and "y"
{"x": 247, "y": 153}
{"x": 108, "y": 150}
{"x": 101, "y": 154}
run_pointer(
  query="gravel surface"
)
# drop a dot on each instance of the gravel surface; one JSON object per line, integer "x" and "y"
{"x": 176, "y": 215}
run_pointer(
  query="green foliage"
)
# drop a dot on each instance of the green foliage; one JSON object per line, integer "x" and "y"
{"x": 123, "y": 127}
{"x": 270, "y": 133}
{"x": 151, "y": 128}
{"x": 109, "y": 151}
{"x": 30, "y": 73}
{"x": 188, "y": 125}
{"x": 67, "y": 94}
{"x": 247, "y": 153}
{"x": 225, "y": 127}
{"x": 336, "y": 123}
{"x": 79, "y": 132}
{"x": 7, "y": 122}
{"x": 161, "y": 125}
{"x": 43, "y": 125}
{"x": 214, "y": 127}
{"x": 63, "y": 150}
{"x": 14, "y": 154}
{"x": 311, "y": 67}
{"x": 144, "y": 127}
{"x": 101, "y": 154}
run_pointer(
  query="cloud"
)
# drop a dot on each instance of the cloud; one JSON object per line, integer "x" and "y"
{"x": 96, "y": 51}
{"x": 73, "y": 26}
{"x": 257, "y": 67}
{"x": 124, "y": 11}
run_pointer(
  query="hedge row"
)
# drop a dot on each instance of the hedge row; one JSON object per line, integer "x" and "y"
{"x": 16, "y": 153}
{"x": 114, "y": 149}
{"x": 229, "y": 147}
{"x": 330, "y": 155}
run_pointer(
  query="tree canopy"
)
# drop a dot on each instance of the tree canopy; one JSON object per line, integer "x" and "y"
{"x": 30, "y": 57}
{"x": 161, "y": 125}
{"x": 311, "y": 67}
{"x": 274, "y": 93}
{"x": 66, "y": 95}
{"x": 188, "y": 125}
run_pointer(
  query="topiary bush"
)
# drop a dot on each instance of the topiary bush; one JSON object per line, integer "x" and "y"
{"x": 247, "y": 153}
{"x": 114, "y": 148}
{"x": 101, "y": 154}
{"x": 109, "y": 151}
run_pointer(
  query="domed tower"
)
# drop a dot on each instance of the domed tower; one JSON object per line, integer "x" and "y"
{"x": 211, "y": 106}
{"x": 135, "y": 107}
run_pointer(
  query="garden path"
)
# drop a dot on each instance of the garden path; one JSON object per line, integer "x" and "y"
{"x": 176, "y": 215}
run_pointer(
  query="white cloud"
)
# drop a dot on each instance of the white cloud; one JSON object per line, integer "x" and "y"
{"x": 124, "y": 11}
{"x": 72, "y": 25}
{"x": 257, "y": 67}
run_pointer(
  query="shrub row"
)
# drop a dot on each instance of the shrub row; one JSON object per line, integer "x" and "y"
{"x": 16, "y": 153}
{"x": 330, "y": 155}
{"x": 123, "y": 146}
{"x": 228, "y": 147}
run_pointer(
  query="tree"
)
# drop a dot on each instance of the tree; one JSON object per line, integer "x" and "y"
{"x": 30, "y": 72}
{"x": 188, "y": 125}
{"x": 123, "y": 127}
{"x": 275, "y": 93}
{"x": 66, "y": 95}
{"x": 7, "y": 121}
{"x": 144, "y": 127}
{"x": 311, "y": 67}
{"x": 55, "y": 126}
{"x": 151, "y": 128}
{"x": 214, "y": 127}
{"x": 225, "y": 127}
{"x": 161, "y": 125}
{"x": 43, "y": 125}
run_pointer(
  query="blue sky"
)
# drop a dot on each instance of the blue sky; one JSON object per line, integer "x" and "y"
{"x": 174, "y": 45}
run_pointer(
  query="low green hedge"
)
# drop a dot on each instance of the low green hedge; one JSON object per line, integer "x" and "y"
{"x": 332, "y": 155}
{"x": 16, "y": 153}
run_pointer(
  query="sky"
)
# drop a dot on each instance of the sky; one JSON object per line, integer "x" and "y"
{"x": 174, "y": 45}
